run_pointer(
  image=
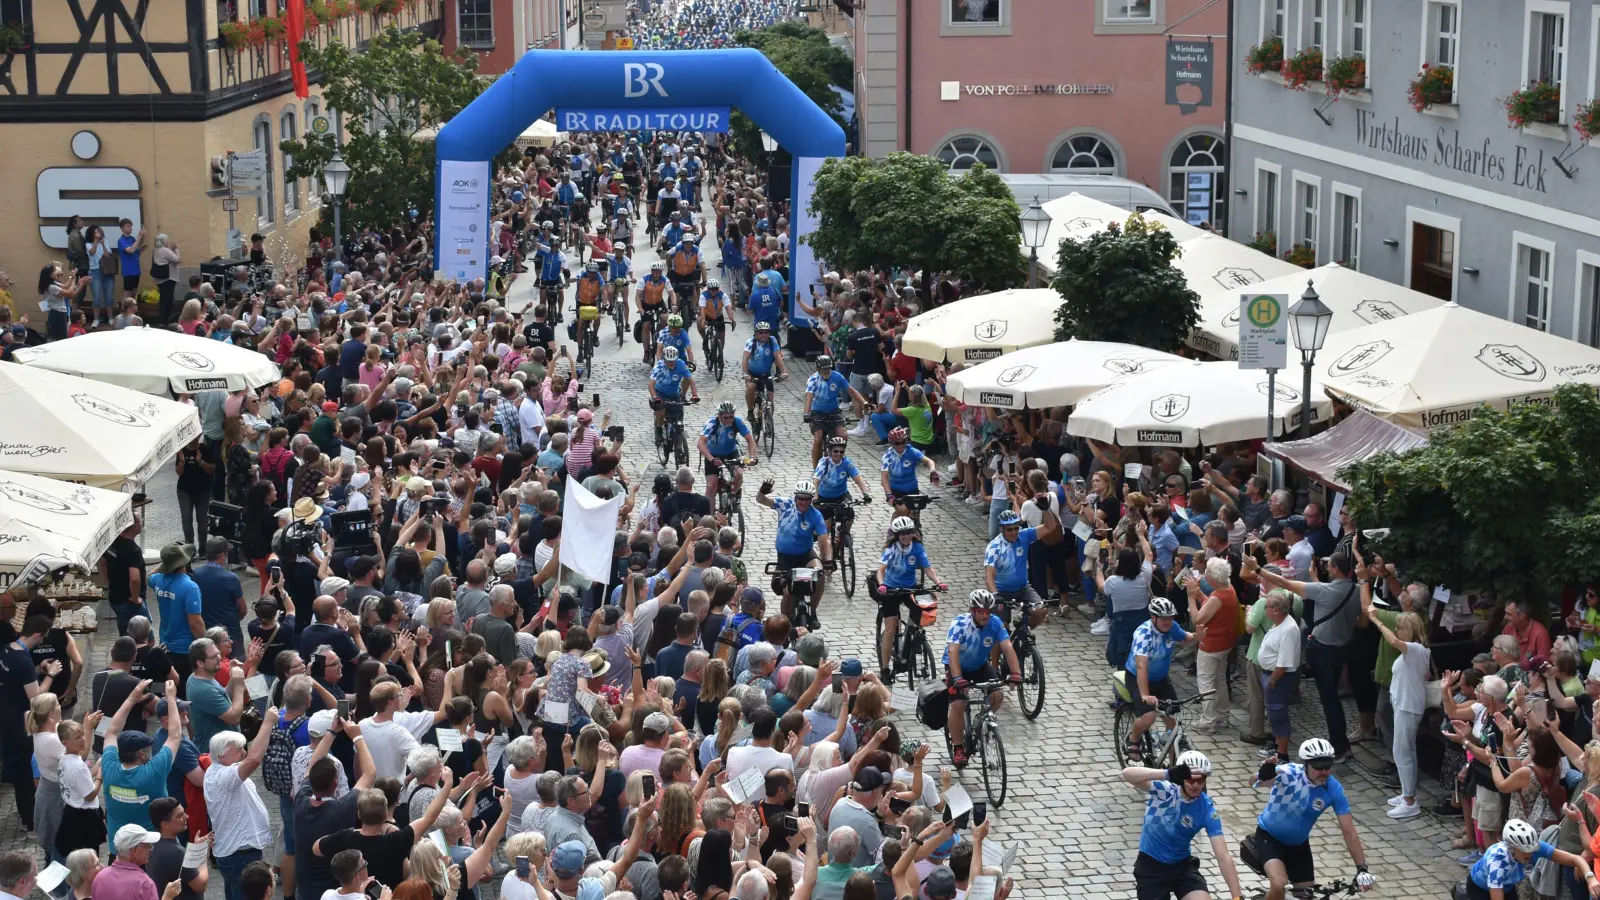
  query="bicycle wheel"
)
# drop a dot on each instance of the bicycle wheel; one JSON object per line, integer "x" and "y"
{"x": 769, "y": 434}
{"x": 680, "y": 447}
{"x": 992, "y": 753}
{"x": 716, "y": 360}
{"x": 1030, "y": 693}
{"x": 847, "y": 563}
{"x": 926, "y": 670}
{"x": 738, "y": 516}
{"x": 877, "y": 646}
{"x": 664, "y": 447}
{"x": 1121, "y": 726}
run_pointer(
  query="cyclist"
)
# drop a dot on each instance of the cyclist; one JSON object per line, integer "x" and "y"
{"x": 667, "y": 199}
{"x": 800, "y": 526}
{"x": 1005, "y": 559}
{"x": 687, "y": 271}
{"x": 824, "y": 389}
{"x": 1148, "y": 662}
{"x": 899, "y": 471}
{"x": 674, "y": 336}
{"x": 972, "y": 638}
{"x": 761, "y": 354}
{"x": 591, "y": 291}
{"x": 903, "y": 559}
{"x": 719, "y": 442}
{"x": 667, "y": 379}
{"x": 833, "y": 475}
{"x": 713, "y": 303}
{"x": 1503, "y": 866}
{"x": 673, "y": 233}
{"x": 552, "y": 266}
{"x": 1177, "y": 809}
{"x": 1300, "y": 794}
{"x": 651, "y": 300}
{"x": 766, "y": 303}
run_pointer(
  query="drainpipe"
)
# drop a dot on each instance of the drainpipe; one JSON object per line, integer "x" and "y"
{"x": 905, "y": 104}
{"x": 1227, "y": 121}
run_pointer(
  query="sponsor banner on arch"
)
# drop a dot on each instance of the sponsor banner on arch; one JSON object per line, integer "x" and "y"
{"x": 463, "y": 219}
{"x": 708, "y": 119}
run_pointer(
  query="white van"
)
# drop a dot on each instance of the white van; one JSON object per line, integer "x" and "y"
{"x": 1120, "y": 192}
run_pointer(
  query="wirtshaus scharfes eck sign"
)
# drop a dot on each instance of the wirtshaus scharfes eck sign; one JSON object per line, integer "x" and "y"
{"x": 1521, "y": 167}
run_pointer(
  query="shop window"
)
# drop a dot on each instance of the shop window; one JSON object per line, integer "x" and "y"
{"x": 964, "y": 152}
{"x": 1198, "y": 180}
{"x": 1084, "y": 154}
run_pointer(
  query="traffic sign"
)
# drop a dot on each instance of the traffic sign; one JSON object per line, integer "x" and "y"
{"x": 622, "y": 43}
{"x": 1263, "y": 331}
{"x": 230, "y": 204}
{"x": 320, "y": 125}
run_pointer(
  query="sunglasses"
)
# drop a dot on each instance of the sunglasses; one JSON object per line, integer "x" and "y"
{"x": 1320, "y": 766}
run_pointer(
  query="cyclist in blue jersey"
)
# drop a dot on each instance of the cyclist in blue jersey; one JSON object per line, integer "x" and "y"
{"x": 824, "y": 391}
{"x": 674, "y": 336}
{"x": 673, "y": 233}
{"x": 719, "y": 440}
{"x": 667, "y": 379}
{"x": 1149, "y": 660}
{"x": 834, "y": 474}
{"x": 970, "y": 644}
{"x": 552, "y": 266}
{"x": 902, "y": 561}
{"x": 1178, "y": 808}
{"x": 766, "y": 303}
{"x": 713, "y": 306}
{"x": 1505, "y": 864}
{"x": 1300, "y": 795}
{"x": 899, "y": 469}
{"x": 800, "y": 526}
{"x": 1005, "y": 559}
{"x": 761, "y": 355}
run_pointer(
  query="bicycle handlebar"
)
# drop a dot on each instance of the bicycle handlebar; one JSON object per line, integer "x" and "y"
{"x": 1173, "y": 706}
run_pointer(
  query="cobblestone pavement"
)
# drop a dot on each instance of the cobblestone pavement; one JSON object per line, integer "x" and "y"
{"x": 1077, "y": 826}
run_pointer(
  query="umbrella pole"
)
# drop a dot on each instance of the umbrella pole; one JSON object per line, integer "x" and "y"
{"x": 1272, "y": 394}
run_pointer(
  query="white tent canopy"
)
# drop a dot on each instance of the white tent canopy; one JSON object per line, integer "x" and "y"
{"x": 50, "y": 525}
{"x": 1052, "y": 375}
{"x": 1356, "y": 300}
{"x": 1078, "y": 216}
{"x": 154, "y": 360}
{"x": 70, "y": 428}
{"x": 542, "y": 133}
{"x": 1436, "y": 368}
{"x": 1193, "y": 403}
{"x": 984, "y": 326}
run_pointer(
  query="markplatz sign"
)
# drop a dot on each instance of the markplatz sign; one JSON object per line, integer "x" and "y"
{"x": 1263, "y": 331}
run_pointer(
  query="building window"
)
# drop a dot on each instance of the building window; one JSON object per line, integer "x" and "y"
{"x": 1198, "y": 180}
{"x": 313, "y": 109}
{"x": 974, "y": 12}
{"x": 265, "y": 212}
{"x": 1356, "y": 27}
{"x": 1130, "y": 12}
{"x": 291, "y": 186}
{"x": 1545, "y": 48}
{"x": 1347, "y": 227}
{"x": 1313, "y": 23}
{"x": 475, "y": 22}
{"x": 1274, "y": 18}
{"x": 1589, "y": 299}
{"x": 1266, "y": 200}
{"x": 1531, "y": 281}
{"x": 1307, "y": 211}
{"x": 964, "y": 152}
{"x": 1442, "y": 33}
{"x": 1084, "y": 154}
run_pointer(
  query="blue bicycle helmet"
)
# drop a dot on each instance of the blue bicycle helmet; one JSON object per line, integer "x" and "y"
{"x": 1009, "y": 518}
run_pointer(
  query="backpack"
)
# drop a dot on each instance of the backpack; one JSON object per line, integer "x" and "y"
{"x": 275, "y": 465}
{"x": 277, "y": 765}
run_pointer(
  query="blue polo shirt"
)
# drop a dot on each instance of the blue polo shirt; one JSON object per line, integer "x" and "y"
{"x": 178, "y": 598}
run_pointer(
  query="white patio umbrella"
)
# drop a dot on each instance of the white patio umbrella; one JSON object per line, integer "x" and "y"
{"x": 154, "y": 360}
{"x": 1193, "y": 403}
{"x": 48, "y": 525}
{"x": 1356, "y": 300}
{"x": 71, "y": 428}
{"x": 984, "y": 326}
{"x": 1078, "y": 216}
{"x": 1053, "y": 375}
{"x": 1217, "y": 266}
{"x": 1438, "y": 367}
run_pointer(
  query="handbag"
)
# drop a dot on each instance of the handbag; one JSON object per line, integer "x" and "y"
{"x": 160, "y": 271}
{"x": 109, "y": 265}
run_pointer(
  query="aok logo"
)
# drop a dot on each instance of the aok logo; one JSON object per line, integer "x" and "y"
{"x": 639, "y": 79}
{"x": 465, "y": 182}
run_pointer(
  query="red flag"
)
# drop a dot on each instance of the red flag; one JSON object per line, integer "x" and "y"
{"x": 295, "y": 22}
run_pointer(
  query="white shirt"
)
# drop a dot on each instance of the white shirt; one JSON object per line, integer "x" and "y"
{"x": 514, "y": 888}
{"x": 1408, "y": 689}
{"x": 530, "y": 419}
{"x": 48, "y": 750}
{"x": 392, "y": 741}
{"x": 77, "y": 783}
{"x": 1300, "y": 556}
{"x": 1280, "y": 648}
{"x": 752, "y": 757}
{"x": 238, "y": 817}
{"x": 300, "y": 768}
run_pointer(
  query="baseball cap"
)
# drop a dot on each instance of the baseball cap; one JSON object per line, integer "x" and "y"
{"x": 131, "y": 836}
{"x": 850, "y": 668}
{"x": 333, "y": 585}
{"x": 505, "y": 564}
{"x": 360, "y": 480}
{"x": 1298, "y": 523}
{"x": 566, "y": 860}
{"x": 585, "y": 415}
{"x": 751, "y": 596}
{"x": 658, "y": 723}
{"x": 329, "y": 406}
{"x": 811, "y": 650}
{"x": 416, "y": 483}
{"x": 161, "y": 709}
{"x": 133, "y": 741}
{"x": 868, "y": 779}
{"x": 940, "y": 883}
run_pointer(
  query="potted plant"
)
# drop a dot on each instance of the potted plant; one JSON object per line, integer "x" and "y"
{"x": 367, "y": 6}
{"x": 1303, "y": 67}
{"x": 233, "y": 35}
{"x": 1433, "y": 85}
{"x": 1266, "y": 56}
{"x": 1347, "y": 74}
{"x": 1302, "y": 256}
{"x": 389, "y": 7}
{"x": 273, "y": 30}
{"x": 1587, "y": 120}
{"x": 1266, "y": 242}
{"x": 1538, "y": 103}
{"x": 15, "y": 38}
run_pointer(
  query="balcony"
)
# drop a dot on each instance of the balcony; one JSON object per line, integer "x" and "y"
{"x": 250, "y": 57}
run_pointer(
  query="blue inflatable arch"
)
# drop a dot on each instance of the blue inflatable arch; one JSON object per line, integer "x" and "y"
{"x": 667, "y": 82}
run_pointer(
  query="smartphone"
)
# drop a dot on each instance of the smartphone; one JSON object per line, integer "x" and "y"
{"x": 274, "y": 570}
{"x": 524, "y": 868}
{"x": 572, "y": 404}
{"x": 980, "y": 811}
{"x": 791, "y": 825}
{"x": 803, "y": 810}
{"x": 838, "y": 683}
{"x": 899, "y": 806}
{"x": 157, "y": 689}
{"x": 344, "y": 709}
{"x": 596, "y": 403}
{"x": 648, "y": 782}
{"x": 374, "y": 889}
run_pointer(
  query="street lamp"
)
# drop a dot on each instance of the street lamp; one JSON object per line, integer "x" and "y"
{"x": 1035, "y": 223}
{"x": 1309, "y": 319}
{"x": 337, "y": 176}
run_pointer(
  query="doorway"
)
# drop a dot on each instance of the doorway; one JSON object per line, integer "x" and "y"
{"x": 1433, "y": 260}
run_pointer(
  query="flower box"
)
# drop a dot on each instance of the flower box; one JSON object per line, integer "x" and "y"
{"x": 1539, "y": 103}
{"x": 1347, "y": 74}
{"x": 1303, "y": 67}
{"x": 1266, "y": 56}
{"x": 1266, "y": 242}
{"x": 1433, "y": 86}
{"x": 1302, "y": 256}
{"x": 1586, "y": 120}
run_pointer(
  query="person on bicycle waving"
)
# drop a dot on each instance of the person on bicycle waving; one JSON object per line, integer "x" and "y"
{"x": 800, "y": 525}
{"x": 552, "y": 264}
{"x": 719, "y": 441}
{"x": 1177, "y": 809}
{"x": 1149, "y": 660}
{"x": 972, "y": 639}
{"x": 824, "y": 390}
{"x": 674, "y": 336}
{"x": 899, "y": 470}
{"x": 1502, "y": 867}
{"x": 903, "y": 559}
{"x": 761, "y": 354}
{"x": 713, "y": 305}
{"x": 1300, "y": 795}
{"x": 687, "y": 270}
{"x": 667, "y": 379}
{"x": 766, "y": 302}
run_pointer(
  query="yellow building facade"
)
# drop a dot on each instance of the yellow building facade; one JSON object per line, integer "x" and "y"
{"x": 124, "y": 108}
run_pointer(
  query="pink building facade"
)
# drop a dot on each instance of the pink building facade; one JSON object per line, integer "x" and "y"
{"x": 1047, "y": 86}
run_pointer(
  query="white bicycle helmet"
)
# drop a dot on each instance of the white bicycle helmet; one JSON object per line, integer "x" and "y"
{"x": 805, "y": 487}
{"x": 713, "y": 284}
{"x": 1162, "y": 607}
{"x": 763, "y": 326}
{"x": 1198, "y": 763}
{"x": 980, "y": 599}
{"x": 670, "y": 354}
{"x": 1315, "y": 748}
{"x": 1519, "y": 835}
{"x": 902, "y": 525}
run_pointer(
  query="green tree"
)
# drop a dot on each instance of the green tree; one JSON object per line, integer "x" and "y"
{"x": 907, "y": 211}
{"x": 806, "y": 57}
{"x": 1505, "y": 503}
{"x": 401, "y": 84}
{"x": 1120, "y": 285}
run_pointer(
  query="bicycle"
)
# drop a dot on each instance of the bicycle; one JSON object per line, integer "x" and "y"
{"x": 797, "y": 584}
{"x": 840, "y": 519}
{"x": 728, "y": 504}
{"x": 983, "y": 734}
{"x": 911, "y": 653}
{"x": 671, "y": 444}
{"x": 647, "y": 330}
{"x": 714, "y": 341}
{"x": 619, "y": 310}
{"x": 1154, "y": 752}
{"x": 1029, "y": 659}
{"x": 914, "y": 504}
{"x": 588, "y": 336}
{"x": 550, "y": 295}
{"x": 763, "y": 414}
